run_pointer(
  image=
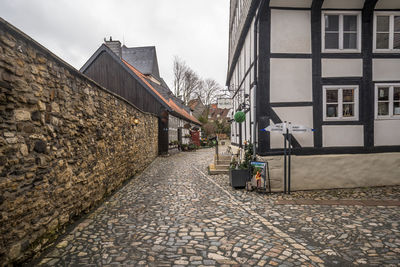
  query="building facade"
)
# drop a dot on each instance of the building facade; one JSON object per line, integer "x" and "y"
{"x": 332, "y": 65}
{"x": 197, "y": 106}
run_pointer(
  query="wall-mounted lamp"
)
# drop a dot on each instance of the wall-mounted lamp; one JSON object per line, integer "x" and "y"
{"x": 135, "y": 121}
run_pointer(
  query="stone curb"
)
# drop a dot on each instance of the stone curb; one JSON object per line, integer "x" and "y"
{"x": 343, "y": 202}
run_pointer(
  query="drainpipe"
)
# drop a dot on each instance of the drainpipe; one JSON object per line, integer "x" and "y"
{"x": 255, "y": 124}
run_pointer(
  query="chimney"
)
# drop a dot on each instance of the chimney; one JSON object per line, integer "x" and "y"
{"x": 115, "y": 46}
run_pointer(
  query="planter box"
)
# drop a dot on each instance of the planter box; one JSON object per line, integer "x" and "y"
{"x": 238, "y": 178}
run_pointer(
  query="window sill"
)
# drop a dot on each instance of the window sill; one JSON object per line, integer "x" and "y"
{"x": 342, "y": 122}
{"x": 387, "y": 118}
{"x": 387, "y": 51}
{"x": 354, "y": 119}
{"x": 344, "y": 51}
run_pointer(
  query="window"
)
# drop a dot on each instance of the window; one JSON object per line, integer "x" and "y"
{"x": 387, "y": 101}
{"x": 387, "y": 31}
{"x": 341, "y": 32}
{"x": 340, "y": 103}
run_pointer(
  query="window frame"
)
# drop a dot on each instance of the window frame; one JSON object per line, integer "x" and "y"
{"x": 391, "y": 115}
{"x": 391, "y": 15}
{"x": 340, "y": 89}
{"x": 341, "y": 31}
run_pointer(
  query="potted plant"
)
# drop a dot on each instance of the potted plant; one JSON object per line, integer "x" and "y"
{"x": 184, "y": 147}
{"x": 192, "y": 147}
{"x": 239, "y": 174}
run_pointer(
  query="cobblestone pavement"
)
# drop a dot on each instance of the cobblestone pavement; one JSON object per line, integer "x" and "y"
{"x": 175, "y": 214}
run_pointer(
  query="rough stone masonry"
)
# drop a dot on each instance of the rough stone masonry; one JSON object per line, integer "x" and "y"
{"x": 65, "y": 143}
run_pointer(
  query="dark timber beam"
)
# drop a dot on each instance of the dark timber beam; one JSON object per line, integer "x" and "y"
{"x": 263, "y": 74}
{"x": 264, "y": 112}
{"x": 275, "y": 118}
{"x": 367, "y": 92}
{"x": 316, "y": 70}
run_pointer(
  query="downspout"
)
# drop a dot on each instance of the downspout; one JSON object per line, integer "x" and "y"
{"x": 255, "y": 79}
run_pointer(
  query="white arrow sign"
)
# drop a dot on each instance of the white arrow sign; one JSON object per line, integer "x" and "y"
{"x": 281, "y": 128}
{"x": 299, "y": 129}
{"x": 276, "y": 128}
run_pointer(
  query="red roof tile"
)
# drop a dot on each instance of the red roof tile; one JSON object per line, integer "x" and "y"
{"x": 169, "y": 102}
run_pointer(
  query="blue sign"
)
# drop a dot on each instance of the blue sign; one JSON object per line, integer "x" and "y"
{"x": 258, "y": 164}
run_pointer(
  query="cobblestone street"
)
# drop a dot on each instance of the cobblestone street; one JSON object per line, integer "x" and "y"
{"x": 176, "y": 214}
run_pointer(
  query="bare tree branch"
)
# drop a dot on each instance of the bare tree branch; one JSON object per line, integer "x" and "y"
{"x": 188, "y": 85}
{"x": 180, "y": 68}
{"x": 192, "y": 84}
{"x": 211, "y": 90}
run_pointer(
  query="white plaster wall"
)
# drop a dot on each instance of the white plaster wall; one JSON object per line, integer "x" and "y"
{"x": 387, "y": 133}
{"x": 276, "y": 139}
{"x": 388, "y": 4}
{"x": 243, "y": 132}
{"x": 232, "y": 133}
{"x": 185, "y": 140}
{"x": 332, "y": 67}
{"x": 248, "y": 128}
{"x": 386, "y": 69}
{"x": 253, "y": 111}
{"x": 342, "y": 135}
{"x": 298, "y": 116}
{"x": 291, "y": 80}
{"x": 291, "y": 3}
{"x": 336, "y": 171}
{"x": 251, "y": 33}
{"x": 343, "y": 4}
{"x": 290, "y": 31}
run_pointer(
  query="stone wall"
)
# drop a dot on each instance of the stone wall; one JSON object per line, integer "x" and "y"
{"x": 65, "y": 144}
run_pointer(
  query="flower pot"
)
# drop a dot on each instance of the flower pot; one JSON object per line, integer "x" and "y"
{"x": 238, "y": 178}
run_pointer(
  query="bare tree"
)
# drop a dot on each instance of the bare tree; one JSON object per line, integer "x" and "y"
{"x": 210, "y": 91}
{"x": 188, "y": 85}
{"x": 192, "y": 84}
{"x": 180, "y": 68}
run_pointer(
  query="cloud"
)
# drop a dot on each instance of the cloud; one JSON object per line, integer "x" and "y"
{"x": 196, "y": 31}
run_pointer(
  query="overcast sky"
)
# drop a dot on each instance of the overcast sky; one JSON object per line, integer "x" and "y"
{"x": 194, "y": 30}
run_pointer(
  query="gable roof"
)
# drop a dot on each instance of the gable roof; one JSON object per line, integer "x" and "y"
{"x": 144, "y": 59}
{"x": 180, "y": 111}
{"x": 161, "y": 94}
{"x": 105, "y": 49}
{"x": 194, "y": 103}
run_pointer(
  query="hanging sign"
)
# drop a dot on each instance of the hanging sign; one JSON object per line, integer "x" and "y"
{"x": 224, "y": 103}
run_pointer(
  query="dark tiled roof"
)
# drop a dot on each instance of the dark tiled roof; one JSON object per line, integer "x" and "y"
{"x": 159, "y": 90}
{"x": 143, "y": 59}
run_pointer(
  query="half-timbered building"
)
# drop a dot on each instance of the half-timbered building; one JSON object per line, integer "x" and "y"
{"x": 331, "y": 65}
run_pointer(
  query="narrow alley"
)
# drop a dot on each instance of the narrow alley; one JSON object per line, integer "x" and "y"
{"x": 174, "y": 214}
